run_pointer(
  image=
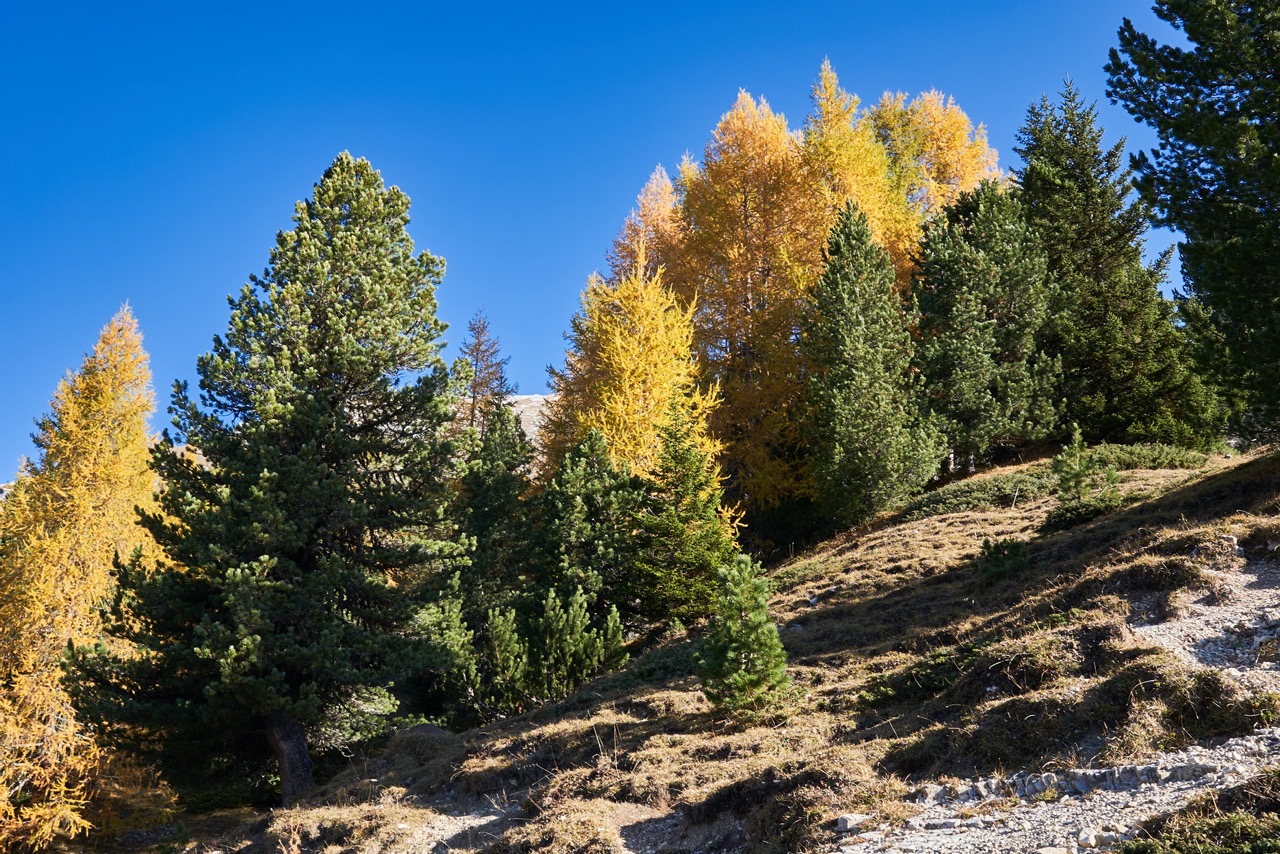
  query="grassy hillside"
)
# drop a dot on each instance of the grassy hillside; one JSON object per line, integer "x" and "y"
{"x": 955, "y": 639}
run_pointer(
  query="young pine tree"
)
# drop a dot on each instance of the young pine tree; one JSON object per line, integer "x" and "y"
{"x": 1128, "y": 371}
{"x": 587, "y": 536}
{"x": 494, "y": 509}
{"x": 293, "y": 550}
{"x": 743, "y": 666}
{"x": 69, "y": 514}
{"x": 869, "y": 443}
{"x": 687, "y": 533}
{"x": 984, "y": 299}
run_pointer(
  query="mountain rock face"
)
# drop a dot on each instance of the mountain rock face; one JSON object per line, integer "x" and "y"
{"x": 529, "y": 407}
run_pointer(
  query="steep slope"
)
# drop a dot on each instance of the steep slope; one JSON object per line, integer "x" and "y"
{"x": 939, "y": 680}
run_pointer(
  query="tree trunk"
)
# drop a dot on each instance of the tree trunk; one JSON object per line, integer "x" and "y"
{"x": 289, "y": 742}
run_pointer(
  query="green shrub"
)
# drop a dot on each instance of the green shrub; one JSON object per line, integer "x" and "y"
{"x": 1150, "y": 456}
{"x": 998, "y": 490}
{"x": 1087, "y": 485}
{"x": 1002, "y": 558}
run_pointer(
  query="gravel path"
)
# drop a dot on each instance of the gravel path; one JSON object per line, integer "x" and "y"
{"x": 1234, "y": 626}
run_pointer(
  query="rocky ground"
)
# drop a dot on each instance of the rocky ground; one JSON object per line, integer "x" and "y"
{"x": 1234, "y": 625}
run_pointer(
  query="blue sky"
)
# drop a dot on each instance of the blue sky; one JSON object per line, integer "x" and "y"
{"x": 155, "y": 150}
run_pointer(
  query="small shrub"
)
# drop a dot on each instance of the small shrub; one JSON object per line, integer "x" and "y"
{"x": 1149, "y": 456}
{"x": 1003, "y": 558}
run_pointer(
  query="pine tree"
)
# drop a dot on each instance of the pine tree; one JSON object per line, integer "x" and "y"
{"x": 1214, "y": 174}
{"x": 487, "y": 386}
{"x": 1128, "y": 373}
{"x": 68, "y": 515}
{"x": 743, "y": 667}
{"x": 869, "y": 444}
{"x": 570, "y": 651}
{"x": 984, "y": 298}
{"x": 293, "y": 554}
{"x": 494, "y": 509}
{"x": 588, "y": 536}
{"x": 686, "y": 531}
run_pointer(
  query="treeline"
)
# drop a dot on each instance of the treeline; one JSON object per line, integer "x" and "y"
{"x": 341, "y": 533}
{"x": 851, "y": 310}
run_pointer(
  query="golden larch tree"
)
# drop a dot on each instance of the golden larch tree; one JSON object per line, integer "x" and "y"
{"x": 69, "y": 514}
{"x": 630, "y": 356}
{"x": 753, "y": 225}
{"x": 651, "y": 232}
{"x": 850, "y": 164}
{"x": 935, "y": 154}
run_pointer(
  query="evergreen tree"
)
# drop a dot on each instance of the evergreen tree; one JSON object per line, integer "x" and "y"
{"x": 869, "y": 444}
{"x": 495, "y": 511}
{"x": 588, "y": 537}
{"x": 686, "y": 531}
{"x": 67, "y": 516}
{"x": 743, "y": 666}
{"x": 293, "y": 549}
{"x": 1214, "y": 174}
{"x": 503, "y": 659}
{"x": 1128, "y": 371}
{"x": 984, "y": 298}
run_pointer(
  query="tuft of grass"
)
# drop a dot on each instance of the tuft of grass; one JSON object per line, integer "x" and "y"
{"x": 1244, "y": 819}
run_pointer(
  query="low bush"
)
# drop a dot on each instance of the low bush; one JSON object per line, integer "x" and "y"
{"x": 1002, "y": 558}
{"x": 1151, "y": 456}
{"x": 998, "y": 490}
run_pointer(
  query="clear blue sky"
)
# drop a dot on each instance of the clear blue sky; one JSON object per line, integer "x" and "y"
{"x": 155, "y": 149}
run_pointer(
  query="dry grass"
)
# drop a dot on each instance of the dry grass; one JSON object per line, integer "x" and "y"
{"x": 913, "y": 663}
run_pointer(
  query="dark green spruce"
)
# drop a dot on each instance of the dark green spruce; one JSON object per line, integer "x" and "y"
{"x": 1128, "y": 369}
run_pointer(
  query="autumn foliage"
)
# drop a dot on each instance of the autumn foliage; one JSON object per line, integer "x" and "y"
{"x": 70, "y": 513}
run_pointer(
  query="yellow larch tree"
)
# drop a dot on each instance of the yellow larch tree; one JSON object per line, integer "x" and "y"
{"x": 753, "y": 225}
{"x": 651, "y": 232}
{"x": 69, "y": 514}
{"x": 935, "y": 154}
{"x": 630, "y": 356}
{"x": 851, "y": 165}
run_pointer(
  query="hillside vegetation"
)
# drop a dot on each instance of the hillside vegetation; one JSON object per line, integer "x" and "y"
{"x": 919, "y": 651}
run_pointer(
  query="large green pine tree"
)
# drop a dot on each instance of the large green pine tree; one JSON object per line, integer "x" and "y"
{"x": 983, "y": 294}
{"x": 294, "y": 538}
{"x": 869, "y": 443}
{"x": 587, "y": 534}
{"x": 1215, "y": 173}
{"x": 1128, "y": 372}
